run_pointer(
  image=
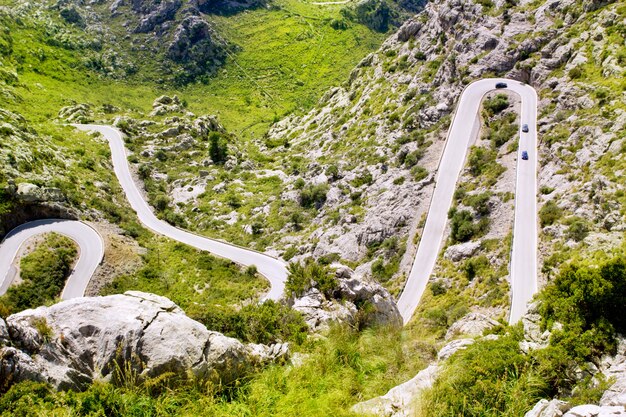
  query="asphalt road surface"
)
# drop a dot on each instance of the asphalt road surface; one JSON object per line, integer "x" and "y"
{"x": 90, "y": 253}
{"x": 462, "y": 133}
{"x": 275, "y": 270}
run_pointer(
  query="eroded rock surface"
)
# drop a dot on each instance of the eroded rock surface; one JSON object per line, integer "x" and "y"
{"x": 352, "y": 295}
{"x": 75, "y": 342}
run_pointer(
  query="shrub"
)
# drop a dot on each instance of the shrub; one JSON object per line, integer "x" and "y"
{"x": 479, "y": 202}
{"x": 218, "y": 148}
{"x": 578, "y": 230}
{"x": 588, "y": 301}
{"x": 497, "y": 104}
{"x": 474, "y": 266}
{"x": 419, "y": 173}
{"x": 303, "y": 276}
{"x": 364, "y": 178}
{"x": 332, "y": 172}
{"x": 549, "y": 213}
{"x": 313, "y": 196}
{"x": 462, "y": 225}
{"x": 489, "y": 378}
{"x": 575, "y": 73}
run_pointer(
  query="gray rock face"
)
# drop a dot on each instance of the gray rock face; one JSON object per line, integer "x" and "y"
{"x": 461, "y": 251}
{"x": 165, "y": 104}
{"x": 351, "y": 294}
{"x": 595, "y": 411}
{"x": 80, "y": 113}
{"x": 473, "y": 324}
{"x": 545, "y": 408}
{"x": 157, "y": 13}
{"x": 31, "y": 193}
{"x": 194, "y": 41}
{"x": 75, "y": 342}
{"x": 397, "y": 402}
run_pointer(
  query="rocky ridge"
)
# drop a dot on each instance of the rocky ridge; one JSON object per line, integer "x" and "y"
{"x": 397, "y": 102}
{"x": 78, "y": 341}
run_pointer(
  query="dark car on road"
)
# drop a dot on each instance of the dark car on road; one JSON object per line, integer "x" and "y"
{"x": 524, "y": 155}
{"x": 501, "y": 85}
{"x": 525, "y": 128}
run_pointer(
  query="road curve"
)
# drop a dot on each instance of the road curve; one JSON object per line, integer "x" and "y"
{"x": 462, "y": 133}
{"x": 89, "y": 241}
{"x": 275, "y": 270}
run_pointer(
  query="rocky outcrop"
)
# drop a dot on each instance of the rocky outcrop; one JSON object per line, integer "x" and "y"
{"x": 461, "y": 251}
{"x": 613, "y": 401}
{"x": 473, "y": 324}
{"x": 354, "y": 300}
{"x": 75, "y": 342}
{"x": 79, "y": 113}
{"x": 157, "y": 13}
{"x": 164, "y": 104}
{"x": 31, "y": 193}
{"x": 545, "y": 408}
{"x": 195, "y": 44}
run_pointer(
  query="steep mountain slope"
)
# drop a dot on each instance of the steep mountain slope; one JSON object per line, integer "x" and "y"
{"x": 377, "y": 140}
{"x": 351, "y": 180}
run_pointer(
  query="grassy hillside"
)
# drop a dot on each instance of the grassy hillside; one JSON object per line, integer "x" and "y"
{"x": 285, "y": 57}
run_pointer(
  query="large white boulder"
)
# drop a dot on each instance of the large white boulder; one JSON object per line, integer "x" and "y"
{"x": 80, "y": 340}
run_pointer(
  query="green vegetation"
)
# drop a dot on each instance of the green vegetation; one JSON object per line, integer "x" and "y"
{"x": 496, "y": 378}
{"x": 43, "y": 273}
{"x": 482, "y": 162}
{"x": 193, "y": 279}
{"x": 463, "y": 227}
{"x": 308, "y": 274}
{"x": 269, "y": 322}
{"x": 549, "y": 213}
{"x": 313, "y": 195}
{"x": 336, "y": 372}
{"x": 496, "y": 104}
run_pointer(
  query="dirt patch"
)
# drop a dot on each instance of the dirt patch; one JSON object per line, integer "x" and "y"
{"x": 122, "y": 255}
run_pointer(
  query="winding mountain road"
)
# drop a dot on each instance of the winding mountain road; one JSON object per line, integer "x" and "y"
{"x": 462, "y": 133}
{"x": 275, "y": 270}
{"x": 88, "y": 240}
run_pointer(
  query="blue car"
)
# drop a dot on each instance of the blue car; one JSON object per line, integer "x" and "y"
{"x": 524, "y": 155}
{"x": 525, "y": 128}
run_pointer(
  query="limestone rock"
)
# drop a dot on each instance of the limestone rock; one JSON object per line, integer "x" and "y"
{"x": 473, "y": 324}
{"x": 31, "y": 193}
{"x": 351, "y": 293}
{"x": 616, "y": 394}
{"x": 195, "y": 43}
{"x": 453, "y": 347}
{"x": 165, "y": 104}
{"x": 159, "y": 12}
{"x": 79, "y": 113}
{"x": 398, "y": 400}
{"x": 595, "y": 411}
{"x": 461, "y": 251}
{"x": 545, "y": 408}
{"x": 4, "y": 333}
{"x": 75, "y": 342}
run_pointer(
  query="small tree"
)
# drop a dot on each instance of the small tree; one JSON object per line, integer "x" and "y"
{"x": 218, "y": 148}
